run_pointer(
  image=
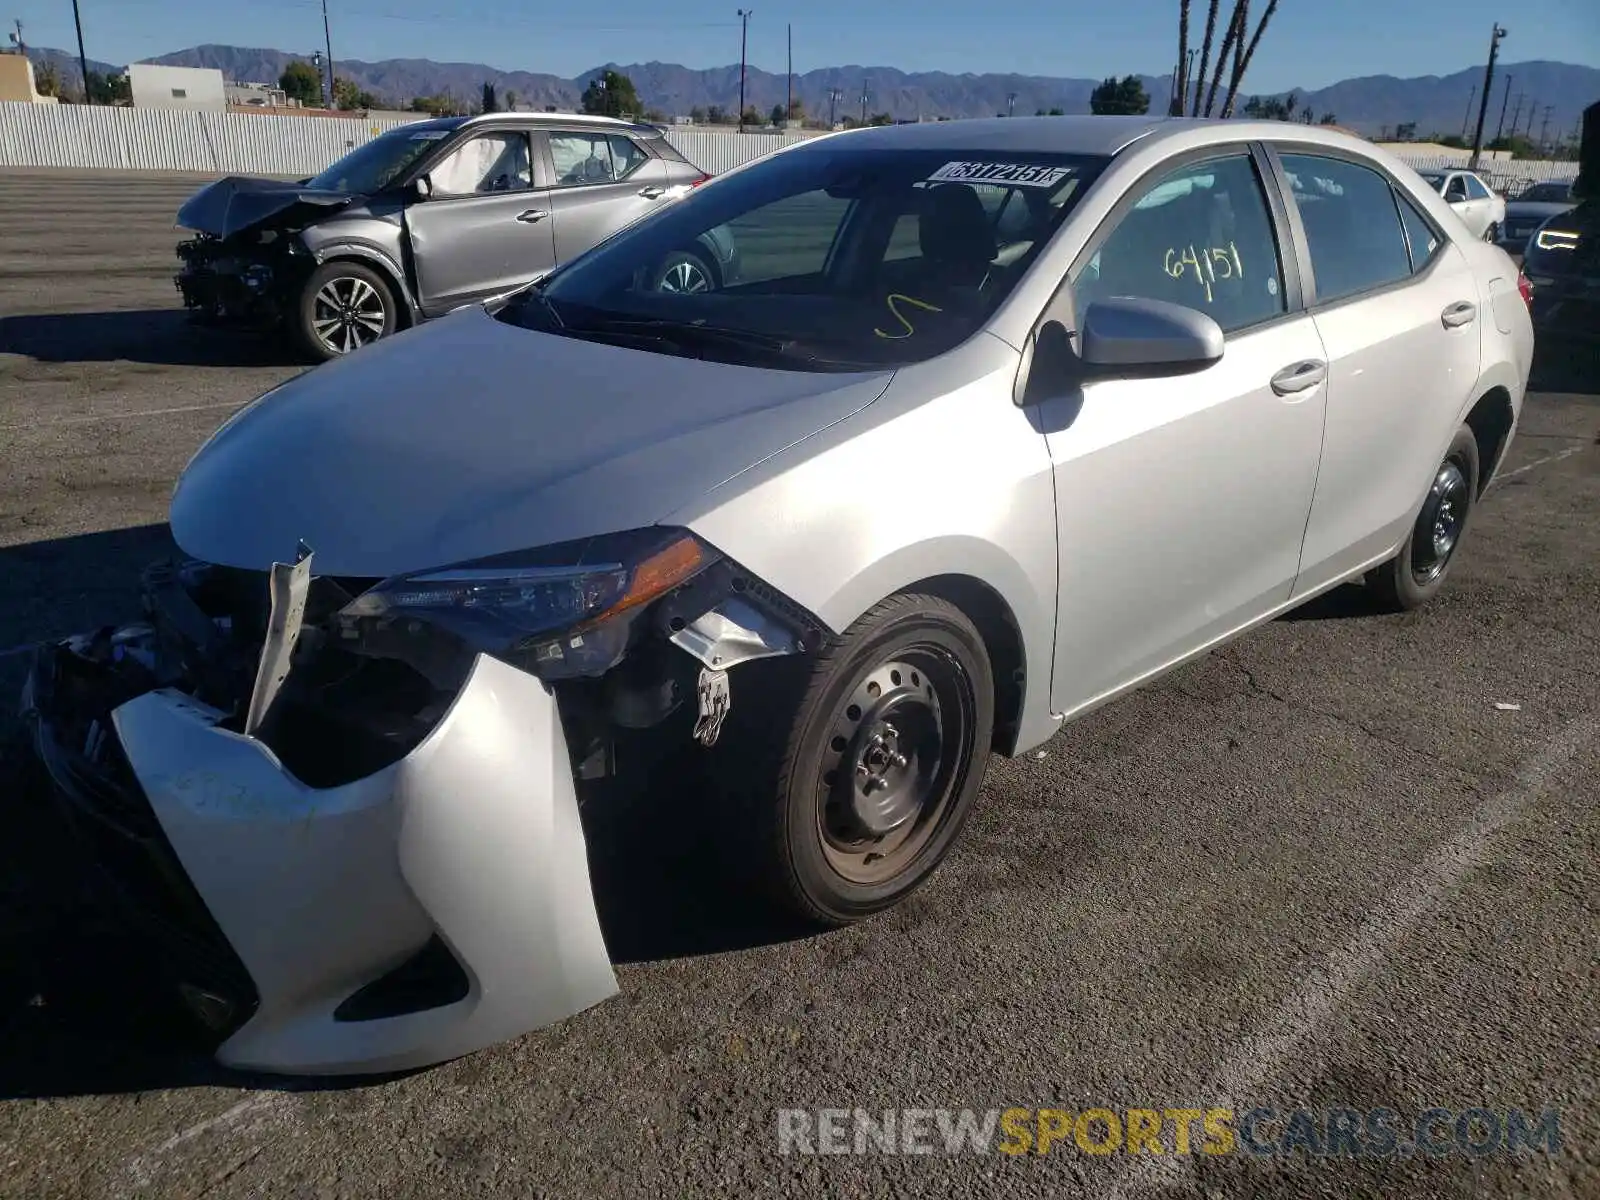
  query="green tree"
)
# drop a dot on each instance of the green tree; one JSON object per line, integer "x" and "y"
{"x": 491, "y": 102}
{"x": 47, "y": 80}
{"x": 511, "y": 100}
{"x": 300, "y": 81}
{"x": 611, "y": 95}
{"x": 348, "y": 96}
{"x": 751, "y": 117}
{"x": 108, "y": 89}
{"x": 1454, "y": 140}
{"x": 697, "y": 115}
{"x": 1119, "y": 97}
{"x": 1328, "y": 118}
{"x": 777, "y": 114}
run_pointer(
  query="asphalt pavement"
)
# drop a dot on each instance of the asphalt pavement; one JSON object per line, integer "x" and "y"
{"x": 1351, "y": 861}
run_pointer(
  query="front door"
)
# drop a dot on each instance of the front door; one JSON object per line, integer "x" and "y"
{"x": 485, "y": 228}
{"x": 1397, "y": 305}
{"x": 1182, "y": 501}
{"x": 603, "y": 181}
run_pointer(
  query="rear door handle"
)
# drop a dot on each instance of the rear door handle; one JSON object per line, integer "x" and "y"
{"x": 652, "y": 192}
{"x": 1460, "y": 313}
{"x": 532, "y": 215}
{"x": 1297, "y": 377}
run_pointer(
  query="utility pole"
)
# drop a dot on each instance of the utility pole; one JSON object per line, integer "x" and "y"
{"x": 1011, "y": 104}
{"x": 1533, "y": 107}
{"x": 788, "y": 109}
{"x": 744, "y": 39}
{"x": 83, "y": 59}
{"x": 22, "y": 46}
{"x": 834, "y": 96}
{"x": 1544, "y": 128}
{"x": 1516, "y": 114}
{"x": 327, "y": 39}
{"x": 1500, "y": 132}
{"x": 865, "y": 96}
{"x": 1466, "y": 117}
{"x": 1488, "y": 84}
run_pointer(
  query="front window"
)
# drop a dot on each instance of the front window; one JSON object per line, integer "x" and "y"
{"x": 379, "y": 163}
{"x": 821, "y": 259}
{"x": 1548, "y": 193}
{"x": 594, "y": 157}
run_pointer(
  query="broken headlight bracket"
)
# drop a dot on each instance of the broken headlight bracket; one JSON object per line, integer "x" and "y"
{"x": 719, "y": 620}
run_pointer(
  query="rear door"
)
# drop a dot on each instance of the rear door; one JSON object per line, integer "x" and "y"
{"x": 1397, "y": 308}
{"x": 602, "y": 180}
{"x": 485, "y": 228}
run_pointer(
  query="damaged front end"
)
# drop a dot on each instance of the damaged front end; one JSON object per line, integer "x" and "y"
{"x": 349, "y": 807}
{"x": 246, "y": 262}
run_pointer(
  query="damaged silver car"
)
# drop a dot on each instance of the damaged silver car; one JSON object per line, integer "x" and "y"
{"x": 1000, "y": 420}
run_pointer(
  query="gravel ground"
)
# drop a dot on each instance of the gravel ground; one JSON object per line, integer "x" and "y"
{"x": 1348, "y": 862}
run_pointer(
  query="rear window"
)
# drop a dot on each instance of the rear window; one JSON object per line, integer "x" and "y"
{"x": 850, "y": 259}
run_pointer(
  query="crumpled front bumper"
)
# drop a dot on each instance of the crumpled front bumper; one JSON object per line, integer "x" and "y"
{"x": 345, "y": 906}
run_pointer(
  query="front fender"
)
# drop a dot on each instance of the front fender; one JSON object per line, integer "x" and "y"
{"x": 369, "y": 252}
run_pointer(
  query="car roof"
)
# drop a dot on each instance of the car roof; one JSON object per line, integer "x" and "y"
{"x": 1088, "y": 135}
{"x": 528, "y": 118}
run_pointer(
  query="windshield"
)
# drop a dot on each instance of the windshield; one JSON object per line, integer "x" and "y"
{"x": 820, "y": 258}
{"x": 373, "y": 167}
{"x": 1432, "y": 180}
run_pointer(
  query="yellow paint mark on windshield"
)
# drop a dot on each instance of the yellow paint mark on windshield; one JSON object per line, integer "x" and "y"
{"x": 900, "y": 316}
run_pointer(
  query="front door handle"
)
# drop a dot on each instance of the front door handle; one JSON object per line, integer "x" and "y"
{"x": 652, "y": 192}
{"x": 1458, "y": 314}
{"x": 1297, "y": 377}
{"x": 532, "y": 215}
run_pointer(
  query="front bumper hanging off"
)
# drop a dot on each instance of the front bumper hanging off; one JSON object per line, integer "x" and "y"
{"x": 419, "y": 913}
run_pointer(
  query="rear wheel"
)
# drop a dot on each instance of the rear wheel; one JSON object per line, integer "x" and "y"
{"x": 1416, "y": 574}
{"x": 876, "y": 768}
{"x": 344, "y": 307}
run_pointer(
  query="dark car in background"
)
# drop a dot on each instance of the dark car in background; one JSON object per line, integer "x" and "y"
{"x": 429, "y": 217}
{"x": 1562, "y": 263}
{"x": 1531, "y": 208}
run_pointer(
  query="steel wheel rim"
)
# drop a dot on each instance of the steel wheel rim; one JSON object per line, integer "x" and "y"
{"x": 347, "y": 313}
{"x": 684, "y": 276}
{"x": 894, "y": 761}
{"x": 1440, "y": 524}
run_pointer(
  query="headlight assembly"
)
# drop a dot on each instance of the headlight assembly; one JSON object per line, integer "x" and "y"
{"x": 1556, "y": 239}
{"x": 557, "y": 605}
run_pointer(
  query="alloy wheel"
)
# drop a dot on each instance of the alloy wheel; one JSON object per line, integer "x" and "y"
{"x": 347, "y": 313}
{"x": 684, "y": 275}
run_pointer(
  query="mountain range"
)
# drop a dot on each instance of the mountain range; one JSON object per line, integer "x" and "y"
{"x": 1370, "y": 104}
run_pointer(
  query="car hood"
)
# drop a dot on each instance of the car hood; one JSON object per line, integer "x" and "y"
{"x": 1537, "y": 210}
{"x": 470, "y": 437}
{"x": 229, "y": 205}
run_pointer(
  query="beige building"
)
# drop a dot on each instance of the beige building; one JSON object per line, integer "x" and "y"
{"x": 17, "y": 83}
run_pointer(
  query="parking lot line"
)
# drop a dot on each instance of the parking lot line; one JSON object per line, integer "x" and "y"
{"x": 1538, "y": 462}
{"x": 1260, "y": 1056}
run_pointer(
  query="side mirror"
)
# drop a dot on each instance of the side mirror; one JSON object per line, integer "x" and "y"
{"x": 1126, "y": 335}
{"x": 422, "y": 187}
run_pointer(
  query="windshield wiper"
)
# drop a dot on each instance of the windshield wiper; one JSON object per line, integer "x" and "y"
{"x": 691, "y": 332}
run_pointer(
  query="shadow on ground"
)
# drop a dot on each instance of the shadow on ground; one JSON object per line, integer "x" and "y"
{"x": 83, "y": 1009}
{"x": 163, "y": 337}
{"x": 1566, "y": 365}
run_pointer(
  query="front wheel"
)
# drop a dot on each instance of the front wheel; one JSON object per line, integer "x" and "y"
{"x": 876, "y": 768}
{"x": 344, "y": 307}
{"x": 1415, "y": 575}
{"x": 683, "y": 271}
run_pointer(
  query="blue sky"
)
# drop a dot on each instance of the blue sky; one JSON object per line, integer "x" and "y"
{"x": 1310, "y": 43}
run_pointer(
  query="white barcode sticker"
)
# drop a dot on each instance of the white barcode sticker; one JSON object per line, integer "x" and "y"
{"x": 1014, "y": 174}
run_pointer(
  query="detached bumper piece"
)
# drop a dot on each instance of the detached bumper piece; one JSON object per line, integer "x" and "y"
{"x": 433, "y": 907}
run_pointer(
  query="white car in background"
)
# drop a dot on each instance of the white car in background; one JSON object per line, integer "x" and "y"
{"x": 1475, "y": 202}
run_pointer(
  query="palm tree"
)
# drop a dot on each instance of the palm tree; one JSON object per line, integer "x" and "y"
{"x": 1242, "y": 64}
{"x": 1180, "y": 77}
{"x": 1228, "y": 41}
{"x": 1205, "y": 54}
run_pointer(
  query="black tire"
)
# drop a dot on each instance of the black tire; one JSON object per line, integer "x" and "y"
{"x": 684, "y": 271}
{"x": 367, "y": 310}
{"x": 795, "y": 824}
{"x": 1415, "y": 575}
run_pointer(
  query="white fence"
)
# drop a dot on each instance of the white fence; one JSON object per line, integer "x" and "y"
{"x": 228, "y": 143}
{"x": 70, "y": 135}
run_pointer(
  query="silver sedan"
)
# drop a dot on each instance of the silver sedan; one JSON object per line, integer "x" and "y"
{"x": 999, "y": 420}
